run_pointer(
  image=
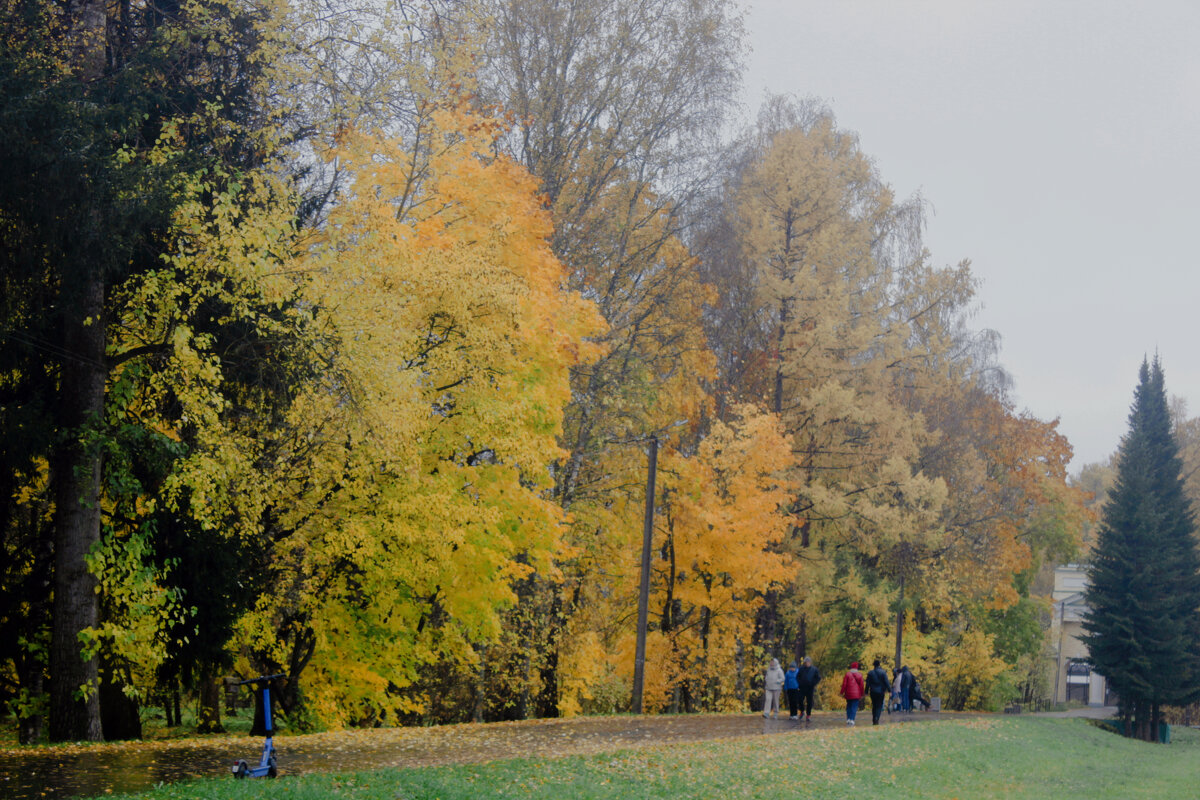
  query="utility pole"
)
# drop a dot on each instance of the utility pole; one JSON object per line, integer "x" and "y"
{"x": 1058, "y": 661}
{"x": 639, "y": 664}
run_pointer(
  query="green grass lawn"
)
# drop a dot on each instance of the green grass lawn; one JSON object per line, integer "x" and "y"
{"x": 998, "y": 757}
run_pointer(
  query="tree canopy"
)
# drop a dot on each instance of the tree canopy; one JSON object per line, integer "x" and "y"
{"x": 332, "y": 336}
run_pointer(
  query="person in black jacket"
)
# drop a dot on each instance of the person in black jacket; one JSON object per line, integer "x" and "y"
{"x": 917, "y": 695}
{"x": 906, "y": 683}
{"x": 807, "y": 678}
{"x": 878, "y": 686}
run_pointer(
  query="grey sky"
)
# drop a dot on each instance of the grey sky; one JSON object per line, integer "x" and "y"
{"x": 1058, "y": 144}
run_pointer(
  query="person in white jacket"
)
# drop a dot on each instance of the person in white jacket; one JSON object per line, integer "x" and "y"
{"x": 774, "y": 687}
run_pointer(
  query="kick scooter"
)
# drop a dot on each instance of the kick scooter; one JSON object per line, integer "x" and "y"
{"x": 266, "y": 764}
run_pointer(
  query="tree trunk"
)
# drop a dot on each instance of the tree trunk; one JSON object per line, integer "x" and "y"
{"x": 739, "y": 661}
{"x": 547, "y": 699}
{"x": 524, "y": 697}
{"x": 168, "y": 708}
{"x": 74, "y": 684}
{"x": 120, "y": 714}
{"x": 802, "y": 629}
{"x": 29, "y": 663}
{"x": 30, "y": 727}
{"x": 767, "y": 622}
{"x": 1141, "y": 720}
{"x": 481, "y": 681}
{"x": 74, "y": 680}
{"x": 229, "y": 690}
{"x": 210, "y": 706}
{"x": 801, "y": 648}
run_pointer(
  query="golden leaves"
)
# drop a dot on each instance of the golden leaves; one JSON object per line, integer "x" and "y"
{"x": 452, "y": 339}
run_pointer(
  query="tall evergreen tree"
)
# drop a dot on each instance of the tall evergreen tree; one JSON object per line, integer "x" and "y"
{"x": 1144, "y": 590}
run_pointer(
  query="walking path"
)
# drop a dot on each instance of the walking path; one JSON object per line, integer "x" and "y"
{"x": 1087, "y": 712}
{"x": 77, "y": 770}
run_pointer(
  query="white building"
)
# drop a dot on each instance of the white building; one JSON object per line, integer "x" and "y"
{"x": 1074, "y": 678}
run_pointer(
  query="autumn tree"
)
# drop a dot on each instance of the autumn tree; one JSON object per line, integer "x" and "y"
{"x": 121, "y": 119}
{"x": 368, "y": 313}
{"x": 1009, "y": 512}
{"x": 58, "y": 254}
{"x": 449, "y": 337}
{"x": 717, "y": 553}
{"x": 1186, "y": 430}
{"x": 1144, "y": 579}
{"x": 616, "y": 110}
{"x": 910, "y": 466}
{"x": 88, "y": 95}
{"x": 205, "y": 362}
{"x": 211, "y": 351}
{"x": 815, "y": 221}
{"x": 1096, "y": 479}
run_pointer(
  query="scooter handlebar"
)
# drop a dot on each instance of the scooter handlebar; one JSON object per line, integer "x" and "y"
{"x": 261, "y": 679}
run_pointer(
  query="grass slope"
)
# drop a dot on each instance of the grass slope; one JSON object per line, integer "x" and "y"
{"x": 1002, "y": 757}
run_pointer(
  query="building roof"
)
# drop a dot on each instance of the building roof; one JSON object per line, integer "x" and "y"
{"x": 1072, "y": 607}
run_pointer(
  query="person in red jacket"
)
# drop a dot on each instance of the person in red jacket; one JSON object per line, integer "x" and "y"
{"x": 853, "y": 689}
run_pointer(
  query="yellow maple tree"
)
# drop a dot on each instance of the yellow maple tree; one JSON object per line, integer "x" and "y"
{"x": 716, "y": 554}
{"x": 450, "y": 335}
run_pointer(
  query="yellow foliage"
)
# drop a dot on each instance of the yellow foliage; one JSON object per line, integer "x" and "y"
{"x": 450, "y": 340}
{"x": 716, "y": 554}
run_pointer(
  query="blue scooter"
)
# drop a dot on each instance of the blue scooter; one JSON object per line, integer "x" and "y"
{"x": 266, "y": 765}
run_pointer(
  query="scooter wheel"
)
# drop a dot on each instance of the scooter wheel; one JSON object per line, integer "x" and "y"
{"x": 271, "y": 770}
{"x": 241, "y": 770}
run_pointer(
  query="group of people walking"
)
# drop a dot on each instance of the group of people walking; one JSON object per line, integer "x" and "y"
{"x": 906, "y": 691}
{"x": 895, "y": 694}
{"x": 798, "y": 683}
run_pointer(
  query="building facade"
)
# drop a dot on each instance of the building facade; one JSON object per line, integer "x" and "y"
{"x": 1074, "y": 678}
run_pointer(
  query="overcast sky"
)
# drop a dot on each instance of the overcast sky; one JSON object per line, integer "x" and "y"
{"x": 1058, "y": 144}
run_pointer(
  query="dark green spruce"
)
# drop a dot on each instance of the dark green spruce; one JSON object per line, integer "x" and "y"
{"x": 1144, "y": 588}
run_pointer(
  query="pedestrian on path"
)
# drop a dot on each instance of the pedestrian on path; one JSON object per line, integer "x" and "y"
{"x": 917, "y": 695}
{"x": 879, "y": 687}
{"x": 793, "y": 689}
{"x": 906, "y": 683}
{"x": 807, "y": 678}
{"x": 773, "y": 686}
{"x": 853, "y": 689}
{"x": 896, "y": 705}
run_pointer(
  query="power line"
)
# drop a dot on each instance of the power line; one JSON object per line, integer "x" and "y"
{"x": 53, "y": 349}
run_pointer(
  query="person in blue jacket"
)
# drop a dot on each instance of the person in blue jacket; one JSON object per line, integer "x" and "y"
{"x": 793, "y": 689}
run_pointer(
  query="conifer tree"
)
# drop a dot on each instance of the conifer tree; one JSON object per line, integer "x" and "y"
{"x": 1144, "y": 590}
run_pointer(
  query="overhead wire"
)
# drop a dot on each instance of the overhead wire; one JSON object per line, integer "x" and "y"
{"x": 52, "y": 348}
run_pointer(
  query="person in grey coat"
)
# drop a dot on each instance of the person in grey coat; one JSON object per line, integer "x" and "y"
{"x": 773, "y": 686}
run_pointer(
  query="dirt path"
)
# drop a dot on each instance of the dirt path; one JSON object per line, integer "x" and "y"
{"x": 79, "y": 770}
{"x": 1087, "y": 712}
